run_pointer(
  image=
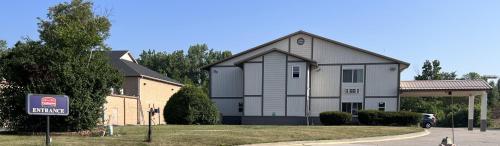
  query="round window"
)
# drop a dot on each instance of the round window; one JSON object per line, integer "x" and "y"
{"x": 300, "y": 41}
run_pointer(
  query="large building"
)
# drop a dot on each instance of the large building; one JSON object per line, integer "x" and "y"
{"x": 142, "y": 89}
{"x": 301, "y": 75}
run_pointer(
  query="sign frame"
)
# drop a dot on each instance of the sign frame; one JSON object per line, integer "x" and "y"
{"x": 28, "y": 104}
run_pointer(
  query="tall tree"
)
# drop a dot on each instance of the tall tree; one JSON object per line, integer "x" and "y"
{"x": 61, "y": 62}
{"x": 184, "y": 67}
{"x": 432, "y": 71}
{"x": 473, "y": 76}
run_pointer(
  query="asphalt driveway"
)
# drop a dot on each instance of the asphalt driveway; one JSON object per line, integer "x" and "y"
{"x": 463, "y": 137}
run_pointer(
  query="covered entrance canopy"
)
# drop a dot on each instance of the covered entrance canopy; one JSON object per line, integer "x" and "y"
{"x": 447, "y": 88}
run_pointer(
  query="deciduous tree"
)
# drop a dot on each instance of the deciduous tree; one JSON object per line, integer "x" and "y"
{"x": 61, "y": 62}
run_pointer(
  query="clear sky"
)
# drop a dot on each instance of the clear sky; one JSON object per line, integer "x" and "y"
{"x": 463, "y": 35}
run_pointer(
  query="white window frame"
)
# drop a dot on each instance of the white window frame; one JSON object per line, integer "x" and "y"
{"x": 298, "y": 72}
{"x": 382, "y": 108}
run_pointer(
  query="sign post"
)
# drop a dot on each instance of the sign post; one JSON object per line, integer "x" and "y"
{"x": 47, "y": 105}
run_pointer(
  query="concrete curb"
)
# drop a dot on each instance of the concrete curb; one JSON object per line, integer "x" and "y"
{"x": 346, "y": 141}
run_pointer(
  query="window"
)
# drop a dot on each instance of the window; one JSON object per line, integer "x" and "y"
{"x": 295, "y": 71}
{"x": 352, "y": 76}
{"x": 381, "y": 106}
{"x": 352, "y": 107}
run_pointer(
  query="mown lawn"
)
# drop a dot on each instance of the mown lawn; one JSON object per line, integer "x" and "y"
{"x": 213, "y": 135}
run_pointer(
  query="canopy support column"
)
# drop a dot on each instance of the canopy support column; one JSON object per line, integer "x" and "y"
{"x": 484, "y": 111}
{"x": 471, "y": 113}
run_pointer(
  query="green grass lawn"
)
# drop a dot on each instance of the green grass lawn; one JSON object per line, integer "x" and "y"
{"x": 214, "y": 135}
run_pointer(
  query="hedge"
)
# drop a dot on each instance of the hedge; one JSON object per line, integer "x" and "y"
{"x": 334, "y": 118}
{"x": 190, "y": 106}
{"x": 403, "y": 118}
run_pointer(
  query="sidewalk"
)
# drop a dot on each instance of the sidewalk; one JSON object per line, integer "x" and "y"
{"x": 345, "y": 141}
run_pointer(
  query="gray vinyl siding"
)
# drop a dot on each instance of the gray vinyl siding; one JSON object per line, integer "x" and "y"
{"x": 352, "y": 97}
{"x": 325, "y": 81}
{"x": 274, "y": 81}
{"x": 301, "y": 50}
{"x": 282, "y": 45}
{"x": 253, "y": 106}
{"x": 296, "y": 105}
{"x": 228, "y": 107}
{"x": 391, "y": 104}
{"x": 253, "y": 78}
{"x": 329, "y": 53}
{"x": 381, "y": 80}
{"x": 226, "y": 82}
{"x": 256, "y": 59}
{"x": 319, "y": 105}
{"x": 296, "y": 86}
{"x": 291, "y": 58}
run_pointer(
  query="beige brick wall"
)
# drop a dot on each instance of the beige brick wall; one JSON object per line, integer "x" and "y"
{"x": 121, "y": 110}
{"x": 155, "y": 94}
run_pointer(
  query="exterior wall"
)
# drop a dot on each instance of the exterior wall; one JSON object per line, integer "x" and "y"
{"x": 329, "y": 53}
{"x": 352, "y": 97}
{"x": 274, "y": 81}
{"x": 130, "y": 86}
{"x": 282, "y": 45}
{"x": 382, "y": 80}
{"x": 253, "y": 106}
{"x": 256, "y": 59}
{"x": 226, "y": 82}
{"x": 301, "y": 50}
{"x": 296, "y": 106}
{"x": 325, "y": 81}
{"x": 121, "y": 110}
{"x": 391, "y": 104}
{"x": 253, "y": 78}
{"x": 226, "y": 89}
{"x": 319, "y": 105}
{"x": 155, "y": 94}
{"x": 228, "y": 106}
{"x": 296, "y": 86}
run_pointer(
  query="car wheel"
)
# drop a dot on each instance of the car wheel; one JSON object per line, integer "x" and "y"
{"x": 428, "y": 125}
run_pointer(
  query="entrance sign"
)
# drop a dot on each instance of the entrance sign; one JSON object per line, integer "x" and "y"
{"x": 44, "y": 104}
{"x": 47, "y": 105}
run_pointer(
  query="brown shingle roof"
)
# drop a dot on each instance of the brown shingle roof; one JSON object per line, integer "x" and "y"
{"x": 444, "y": 85}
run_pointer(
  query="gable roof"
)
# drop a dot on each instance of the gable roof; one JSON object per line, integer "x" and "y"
{"x": 275, "y": 50}
{"x": 132, "y": 69}
{"x": 313, "y": 35}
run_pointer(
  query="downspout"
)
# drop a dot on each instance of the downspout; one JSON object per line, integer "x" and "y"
{"x": 308, "y": 91}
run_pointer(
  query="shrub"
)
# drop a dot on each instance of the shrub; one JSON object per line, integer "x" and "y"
{"x": 334, "y": 118}
{"x": 403, "y": 118}
{"x": 190, "y": 106}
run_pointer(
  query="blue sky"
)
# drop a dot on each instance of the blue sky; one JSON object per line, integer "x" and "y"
{"x": 463, "y": 35}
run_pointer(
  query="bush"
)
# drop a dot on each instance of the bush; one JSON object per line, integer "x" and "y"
{"x": 190, "y": 106}
{"x": 334, "y": 118}
{"x": 403, "y": 118}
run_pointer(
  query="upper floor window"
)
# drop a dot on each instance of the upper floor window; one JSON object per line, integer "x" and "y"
{"x": 295, "y": 71}
{"x": 352, "y": 76}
